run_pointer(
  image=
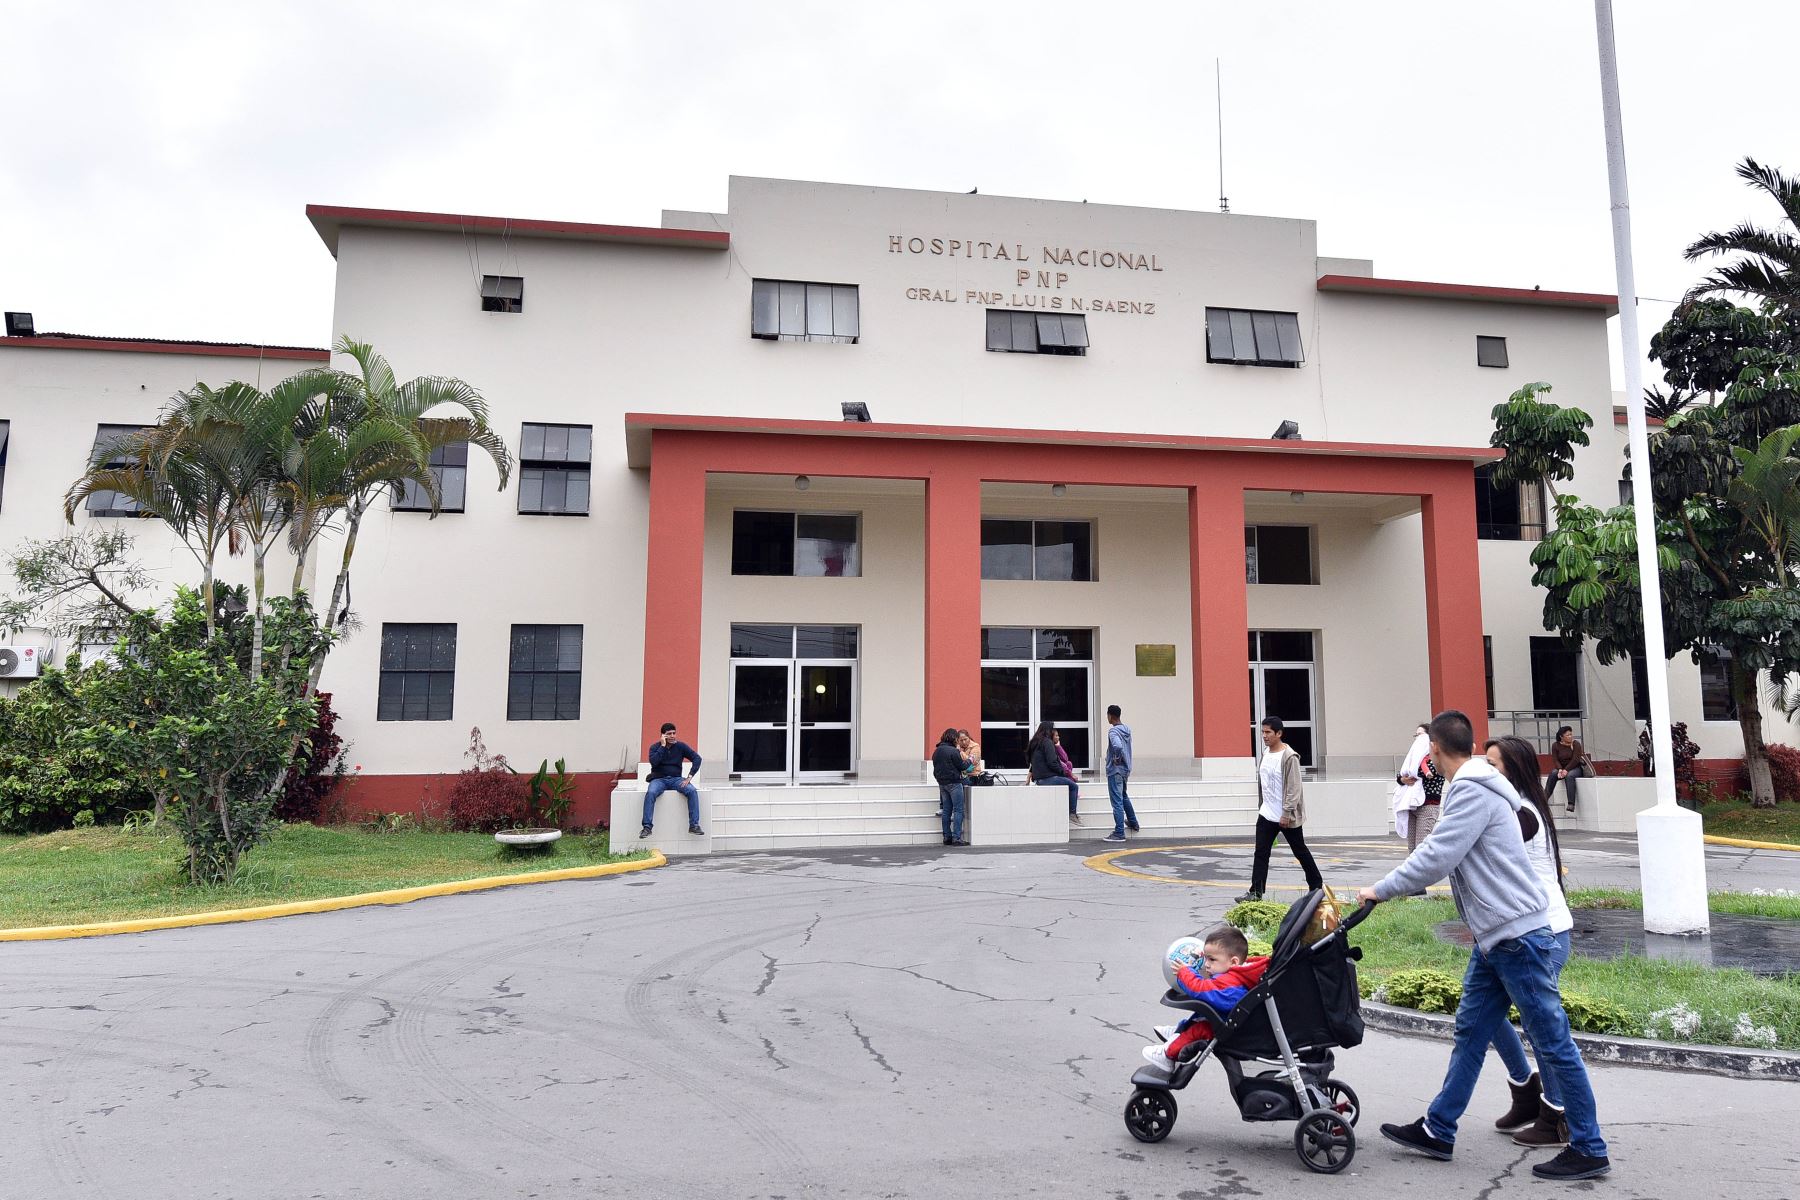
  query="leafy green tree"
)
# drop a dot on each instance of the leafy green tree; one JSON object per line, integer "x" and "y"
{"x": 1767, "y": 266}
{"x": 81, "y": 585}
{"x": 49, "y": 779}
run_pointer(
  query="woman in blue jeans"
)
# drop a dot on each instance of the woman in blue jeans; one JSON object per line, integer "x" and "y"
{"x": 1536, "y": 1117}
{"x": 1046, "y": 767}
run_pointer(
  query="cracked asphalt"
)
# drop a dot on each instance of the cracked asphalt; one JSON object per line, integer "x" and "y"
{"x": 906, "y": 1023}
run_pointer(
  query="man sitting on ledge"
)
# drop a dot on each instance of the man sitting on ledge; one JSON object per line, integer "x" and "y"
{"x": 666, "y": 757}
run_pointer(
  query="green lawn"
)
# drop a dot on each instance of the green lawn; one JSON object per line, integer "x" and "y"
{"x": 82, "y": 875}
{"x": 1401, "y": 935}
{"x": 1737, "y": 819}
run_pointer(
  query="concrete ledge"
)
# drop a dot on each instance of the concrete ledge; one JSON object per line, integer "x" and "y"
{"x": 1735, "y": 1061}
{"x": 232, "y": 916}
{"x": 1710, "y": 840}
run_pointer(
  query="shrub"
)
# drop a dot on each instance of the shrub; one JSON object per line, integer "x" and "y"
{"x": 1784, "y": 771}
{"x": 552, "y": 795}
{"x": 1424, "y": 989}
{"x": 488, "y": 795}
{"x": 318, "y": 767}
{"x": 1591, "y": 1014}
{"x": 49, "y": 779}
{"x": 1258, "y": 946}
{"x": 1256, "y": 914}
{"x": 1685, "y": 750}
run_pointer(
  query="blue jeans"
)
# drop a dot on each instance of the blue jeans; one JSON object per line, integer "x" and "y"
{"x": 1522, "y": 970}
{"x": 950, "y": 809}
{"x": 1123, "y": 813}
{"x": 659, "y": 786}
{"x": 1064, "y": 781}
{"x": 1506, "y": 1038}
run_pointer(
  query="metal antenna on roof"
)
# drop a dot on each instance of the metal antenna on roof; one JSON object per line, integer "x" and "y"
{"x": 1219, "y": 112}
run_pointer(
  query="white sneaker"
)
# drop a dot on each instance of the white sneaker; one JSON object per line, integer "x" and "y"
{"x": 1156, "y": 1058}
{"x": 1165, "y": 1032}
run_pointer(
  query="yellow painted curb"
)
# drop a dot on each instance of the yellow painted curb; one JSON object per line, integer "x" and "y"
{"x": 1106, "y": 864}
{"x": 1748, "y": 845}
{"x": 231, "y": 916}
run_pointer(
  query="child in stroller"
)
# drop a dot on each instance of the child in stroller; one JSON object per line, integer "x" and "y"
{"x": 1215, "y": 968}
{"x": 1275, "y": 1043}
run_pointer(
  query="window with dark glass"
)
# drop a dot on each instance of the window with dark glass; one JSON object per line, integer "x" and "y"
{"x": 1250, "y": 338}
{"x": 1716, "y": 701}
{"x": 1626, "y": 495}
{"x": 1279, "y": 554}
{"x": 1487, "y": 656}
{"x": 1043, "y": 550}
{"x": 450, "y": 467}
{"x": 544, "y": 673}
{"x": 1511, "y": 512}
{"x": 1490, "y": 351}
{"x": 109, "y": 452}
{"x": 804, "y": 544}
{"x": 1640, "y": 686}
{"x": 502, "y": 293}
{"x": 418, "y": 672}
{"x": 783, "y": 310}
{"x": 553, "y": 469}
{"x": 1013, "y": 332}
{"x": 5, "y": 430}
{"x": 1555, "y": 676}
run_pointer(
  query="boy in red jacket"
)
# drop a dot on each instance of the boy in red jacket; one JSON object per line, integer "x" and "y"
{"x": 1225, "y": 976}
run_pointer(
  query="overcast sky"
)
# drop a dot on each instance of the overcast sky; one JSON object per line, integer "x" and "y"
{"x": 156, "y": 159}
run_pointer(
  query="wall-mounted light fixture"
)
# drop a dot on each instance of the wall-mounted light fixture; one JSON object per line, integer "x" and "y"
{"x": 801, "y": 483}
{"x": 1059, "y": 489}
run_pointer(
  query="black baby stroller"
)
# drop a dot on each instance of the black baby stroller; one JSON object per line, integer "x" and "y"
{"x": 1276, "y": 1046}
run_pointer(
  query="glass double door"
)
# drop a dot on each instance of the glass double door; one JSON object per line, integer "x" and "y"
{"x": 1283, "y": 684}
{"x": 793, "y": 720}
{"x": 1034, "y": 675}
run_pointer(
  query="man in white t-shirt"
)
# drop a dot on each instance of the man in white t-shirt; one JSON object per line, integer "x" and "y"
{"x": 1283, "y": 810}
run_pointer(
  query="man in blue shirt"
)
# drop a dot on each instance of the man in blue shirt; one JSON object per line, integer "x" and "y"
{"x": 666, "y": 757}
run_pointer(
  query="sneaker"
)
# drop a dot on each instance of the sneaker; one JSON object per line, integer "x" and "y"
{"x": 1571, "y": 1164}
{"x": 1157, "y": 1056}
{"x": 1416, "y": 1137}
{"x": 643, "y": 833}
{"x": 696, "y": 831}
{"x": 1113, "y": 837}
{"x": 949, "y": 841}
{"x": 1165, "y": 1032}
{"x": 1248, "y": 896}
{"x": 1134, "y": 829}
{"x": 960, "y": 842}
{"x": 1074, "y": 820}
{"x": 1551, "y": 1128}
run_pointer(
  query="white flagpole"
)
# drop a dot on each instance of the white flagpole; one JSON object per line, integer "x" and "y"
{"x": 1671, "y": 853}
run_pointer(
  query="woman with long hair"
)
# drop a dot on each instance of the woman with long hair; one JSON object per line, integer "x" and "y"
{"x": 947, "y": 769}
{"x": 1536, "y": 1117}
{"x": 1046, "y": 768}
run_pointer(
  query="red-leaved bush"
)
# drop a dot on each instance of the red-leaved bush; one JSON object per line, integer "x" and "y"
{"x": 316, "y": 770}
{"x": 487, "y": 796}
{"x": 1784, "y": 770}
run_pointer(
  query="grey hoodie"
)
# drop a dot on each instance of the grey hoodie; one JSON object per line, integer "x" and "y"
{"x": 1477, "y": 844}
{"x": 1118, "y": 749}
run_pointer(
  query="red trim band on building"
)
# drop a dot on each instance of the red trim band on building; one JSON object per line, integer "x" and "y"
{"x": 327, "y": 219}
{"x": 1368, "y": 285}
{"x": 153, "y": 346}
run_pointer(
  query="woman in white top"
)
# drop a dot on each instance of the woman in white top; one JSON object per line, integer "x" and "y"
{"x": 1536, "y": 1117}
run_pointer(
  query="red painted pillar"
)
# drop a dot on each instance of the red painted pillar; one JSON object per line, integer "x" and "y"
{"x": 952, "y": 600}
{"x": 1221, "y": 615}
{"x": 672, "y": 594}
{"x": 1453, "y": 645}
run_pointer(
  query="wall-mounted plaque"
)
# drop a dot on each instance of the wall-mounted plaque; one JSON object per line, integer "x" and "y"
{"x": 1156, "y": 660}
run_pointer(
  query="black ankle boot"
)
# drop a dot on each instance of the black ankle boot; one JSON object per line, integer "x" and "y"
{"x": 1526, "y": 1099}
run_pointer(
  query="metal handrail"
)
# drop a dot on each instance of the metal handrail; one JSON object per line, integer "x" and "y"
{"x": 1536, "y": 725}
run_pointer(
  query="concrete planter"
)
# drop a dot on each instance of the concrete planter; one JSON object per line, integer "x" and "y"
{"x": 520, "y": 839}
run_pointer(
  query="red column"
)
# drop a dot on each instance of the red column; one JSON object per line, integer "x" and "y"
{"x": 952, "y": 601}
{"x": 1453, "y": 644}
{"x": 1221, "y": 618}
{"x": 672, "y": 590}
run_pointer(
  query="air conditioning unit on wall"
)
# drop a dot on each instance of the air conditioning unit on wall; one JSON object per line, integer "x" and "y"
{"x": 19, "y": 662}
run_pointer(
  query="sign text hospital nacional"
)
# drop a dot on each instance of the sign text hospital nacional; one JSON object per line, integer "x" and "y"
{"x": 1028, "y": 273}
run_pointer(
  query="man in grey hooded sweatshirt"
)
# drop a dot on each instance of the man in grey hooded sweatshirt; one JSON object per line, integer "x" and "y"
{"x": 1477, "y": 843}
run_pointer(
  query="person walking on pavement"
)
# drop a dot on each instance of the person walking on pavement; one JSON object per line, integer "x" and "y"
{"x": 1501, "y": 899}
{"x": 1283, "y": 810}
{"x": 1118, "y": 773}
{"x": 947, "y": 768}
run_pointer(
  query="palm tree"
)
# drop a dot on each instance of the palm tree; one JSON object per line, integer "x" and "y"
{"x": 1769, "y": 268}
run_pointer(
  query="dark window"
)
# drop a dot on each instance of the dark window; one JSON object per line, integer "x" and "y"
{"x": 1253, "y": 339}
{"x": 544, "y": 680}
{"x": 1626, "y": 495}
{"x": 1036, "y": 333}
{"x": 786, "y": 311}
{"x": 1278, "y": 554}
{"x": 1487, "y": 655}
{"x": 1640, "y": 686}
{"x": 794, "y": 641}
{"x": 5, "y": 430}
{"x": 418, "y": 673}
{"x": 1001, "y": 642}
{"x": 1490, "y": 351}
{"x": 502, "y": 293}
{"x": 785, "y": 543}
{"x": 553, "y": 469}
{"x": 1284, "y": 646}
{"x": 1555, "y": 676}
{"x": 1507, "y": 512}
{"x": 1044, "y": 550}
{"x": 825, "y": 641}
{"x": 1716, "y": 701}
{"x": 108, "y": 452}
{"x": 450, "y": 467}
{"x": 762, "y": 641}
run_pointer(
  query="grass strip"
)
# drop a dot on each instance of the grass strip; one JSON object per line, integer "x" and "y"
{"x": 1743, "y": 904}
{"x": 1741, "y": 819}
{"x": 1715, "y": 1006}
{"x": 78, "y": 876}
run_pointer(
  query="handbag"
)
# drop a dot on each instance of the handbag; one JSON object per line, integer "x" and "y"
{"x": 985, "y": 779}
